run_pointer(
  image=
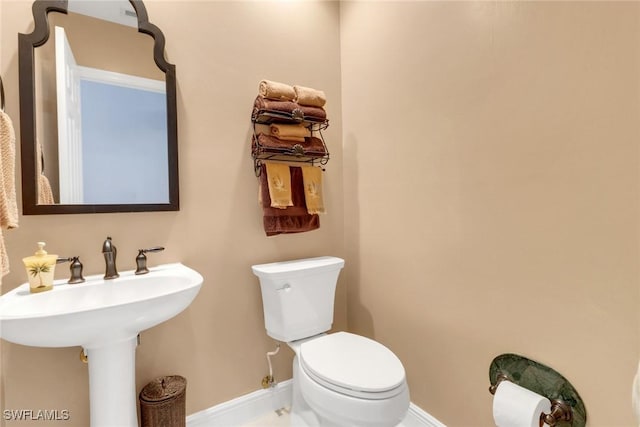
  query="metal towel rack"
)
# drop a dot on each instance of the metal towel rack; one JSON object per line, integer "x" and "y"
{"x": 294, "y": 154}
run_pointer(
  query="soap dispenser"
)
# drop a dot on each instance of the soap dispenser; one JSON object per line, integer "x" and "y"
{"x": 40, "y": 268}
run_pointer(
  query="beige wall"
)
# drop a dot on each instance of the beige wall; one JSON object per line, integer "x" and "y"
{"x": 491, "y": 193}
{"x": 490, "y": 196}
{"x": 108, "y": 46}
{"x": 221, "y": 50}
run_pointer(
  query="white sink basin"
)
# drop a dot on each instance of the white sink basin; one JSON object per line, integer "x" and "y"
{"x": 97, "y": 310}
{"x": 104, "y": 317}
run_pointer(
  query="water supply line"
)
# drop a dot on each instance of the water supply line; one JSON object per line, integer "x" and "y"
{"x": 269, "y": 381}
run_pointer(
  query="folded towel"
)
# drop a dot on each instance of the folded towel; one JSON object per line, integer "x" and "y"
{"x": 312, "y": 179}
{"x": 294, "y": 219}
{"x": 276, "y": 90}
{"x": 312, "y": 146}
{"x": 290, "y": 132}
{"x": 279, "y": 182}
{"x": 309, "y": 96}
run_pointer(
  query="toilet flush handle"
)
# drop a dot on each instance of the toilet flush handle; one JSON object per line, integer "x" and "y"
{"x": 286, "y": 288}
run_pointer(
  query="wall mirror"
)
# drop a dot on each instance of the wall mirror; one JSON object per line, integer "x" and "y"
{"x": 97, "y": 110}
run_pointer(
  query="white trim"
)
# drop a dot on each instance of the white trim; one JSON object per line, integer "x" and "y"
{"x": 120, "y": 79}
{"x": 69, "y": 122}
{"x": 417, "y": 417}
{"x": 244, "y": 409}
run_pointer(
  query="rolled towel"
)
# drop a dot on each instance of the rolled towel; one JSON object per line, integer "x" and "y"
{"x": 312, "y": 146}
{"x": 275, "y": 90}
{"x": 309, "y": 96}
{"x": 310, "y": 113}
{"x": 290, "y": 132}
{"x": 279, "y": 182}
{"x": 262, "y": 103}
{"x": 312, "y": 179}
{"x": 297, "y": 139}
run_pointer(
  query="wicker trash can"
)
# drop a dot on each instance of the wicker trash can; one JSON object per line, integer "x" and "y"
{"x": 162, "y": 402}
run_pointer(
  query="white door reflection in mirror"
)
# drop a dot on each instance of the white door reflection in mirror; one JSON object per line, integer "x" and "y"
{"x": 69, "y": 122}
{"x": 112, "y": 137}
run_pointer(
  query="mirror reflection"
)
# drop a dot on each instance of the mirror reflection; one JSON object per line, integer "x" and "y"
{"x": 100, "y": 110}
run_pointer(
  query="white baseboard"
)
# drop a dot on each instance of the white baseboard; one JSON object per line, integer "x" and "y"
{"x": 243, "y": 409}
{"x": 417, "y": 417}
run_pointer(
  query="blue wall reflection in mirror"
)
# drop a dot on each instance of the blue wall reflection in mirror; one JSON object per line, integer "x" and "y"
{"x": 125, "y": 127}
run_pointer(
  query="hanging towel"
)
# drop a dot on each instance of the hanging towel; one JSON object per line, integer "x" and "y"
{"x": 279, "y": 182}
{"x": 8, "y": 204}
{"x": 294, "y": 219}
{"x": 276, "y": 90}
{"x": 635, "y": 394}
{"x": 290, "y": 132}
{"x": 312, "y": 179}
{"x": 45, "y": 194}
{"x": 309, "y": 96}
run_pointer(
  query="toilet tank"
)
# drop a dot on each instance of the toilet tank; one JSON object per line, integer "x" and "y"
{"x": 298, "y": 296}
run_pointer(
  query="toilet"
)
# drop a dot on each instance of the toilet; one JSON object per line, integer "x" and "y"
{"x": 339, "y": 379}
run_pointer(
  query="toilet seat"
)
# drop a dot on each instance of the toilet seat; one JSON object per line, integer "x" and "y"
{"x": 353, "y": 365}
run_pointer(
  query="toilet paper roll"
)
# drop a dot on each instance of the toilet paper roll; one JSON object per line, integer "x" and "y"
{"x": 515, "y": 406}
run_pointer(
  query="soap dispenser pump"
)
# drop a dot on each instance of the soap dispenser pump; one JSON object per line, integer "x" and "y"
{"x": 40, "y": 268}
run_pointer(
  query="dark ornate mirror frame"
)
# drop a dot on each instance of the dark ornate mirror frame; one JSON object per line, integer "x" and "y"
{"x": 26, "y": 45}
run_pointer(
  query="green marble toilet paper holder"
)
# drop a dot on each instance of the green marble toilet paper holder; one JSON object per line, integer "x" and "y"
{"x": 567, "y": 408}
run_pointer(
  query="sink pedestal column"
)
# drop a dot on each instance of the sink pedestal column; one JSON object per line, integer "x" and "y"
{"x": 112, "y": 386}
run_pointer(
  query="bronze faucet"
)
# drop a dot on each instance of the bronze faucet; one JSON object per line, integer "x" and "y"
{"x": 109, "y": 251}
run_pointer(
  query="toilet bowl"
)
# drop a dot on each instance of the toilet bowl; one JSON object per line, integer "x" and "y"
{"x": 348, "y": 380}
{"x": 339, "y": 379}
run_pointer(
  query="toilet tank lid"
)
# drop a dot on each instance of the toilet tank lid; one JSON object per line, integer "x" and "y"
{"x": 298, "y": 265}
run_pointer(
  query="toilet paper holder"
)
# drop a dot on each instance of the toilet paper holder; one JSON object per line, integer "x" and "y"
{"x": 560, "y": 411}
{"x": 567, "y": 408}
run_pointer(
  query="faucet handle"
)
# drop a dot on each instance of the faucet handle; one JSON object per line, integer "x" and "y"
{"x": 141, "y": 259}
{"x": 75, "y": 267}
{"x": 153, "y": 249}
{"x": 108, "y": 246}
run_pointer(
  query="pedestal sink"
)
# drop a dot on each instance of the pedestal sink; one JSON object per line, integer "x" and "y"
{"x": 104, "y": 317}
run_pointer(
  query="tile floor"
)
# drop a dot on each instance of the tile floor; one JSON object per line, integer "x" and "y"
{"x": 272, "y": 419}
